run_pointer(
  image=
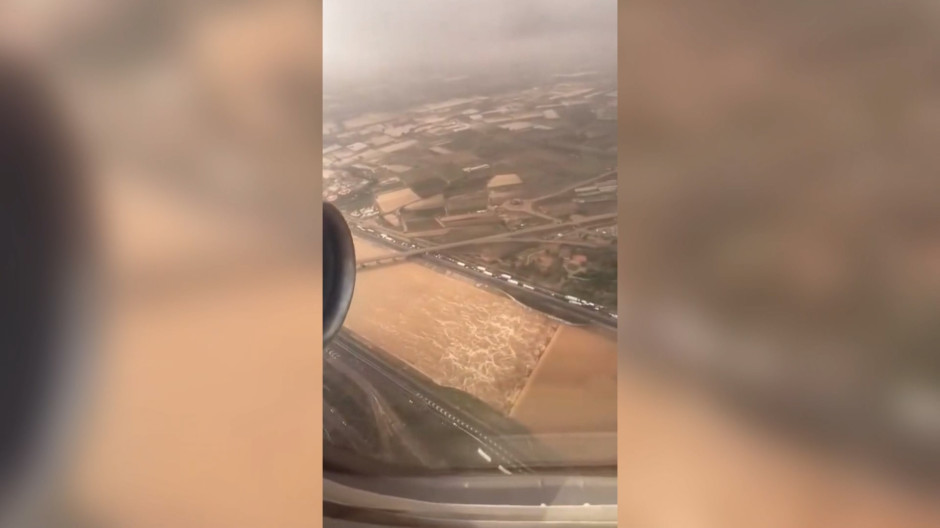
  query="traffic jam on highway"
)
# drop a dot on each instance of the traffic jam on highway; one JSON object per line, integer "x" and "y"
{"x": 504, "y": 277}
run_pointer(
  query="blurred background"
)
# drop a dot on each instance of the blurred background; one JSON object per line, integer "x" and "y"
{"x": 780, "y": 258}
{"x": 780, "y": 264}
{"x": 197, "y": 123}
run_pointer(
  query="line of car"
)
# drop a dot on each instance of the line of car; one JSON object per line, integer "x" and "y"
{"x": 505, "y": 277}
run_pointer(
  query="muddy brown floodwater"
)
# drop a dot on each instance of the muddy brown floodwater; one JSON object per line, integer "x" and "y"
{"x": 456, "y": 333}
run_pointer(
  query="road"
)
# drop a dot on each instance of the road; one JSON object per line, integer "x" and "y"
{"x": 398, "y": 380}
{"x": 573, "y": 186}
{"x": 578, "y": 243}
{"x": 481, "y": 240}
{"x": 547, "y": 301}
{"x": 528, "y": 205}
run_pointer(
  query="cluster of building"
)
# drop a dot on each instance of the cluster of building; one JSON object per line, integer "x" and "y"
{"x": 598, "y": 192}
{"x": 339, "y": 184}
{"x": 403, "y": 208}
{"x": 424, "y": 169}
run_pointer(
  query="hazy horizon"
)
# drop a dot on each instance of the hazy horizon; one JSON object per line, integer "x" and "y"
{"x": 371, "y": 38}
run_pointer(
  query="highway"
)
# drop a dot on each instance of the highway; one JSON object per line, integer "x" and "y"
{"x": 480, "y": 240}
{"x": 577, "y": 243}
{"x": 528, "y": 205}
{"x": 573, "y": 186}
{"x": 543, "y": 299}
{"x": 387, "y": 377}
{"x": 550, "y": 302}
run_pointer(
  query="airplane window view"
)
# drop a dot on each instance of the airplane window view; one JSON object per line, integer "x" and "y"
{"x": 164, "y": 165}
{"x": 472, "y": 142}
{"x": 472, "y": 149}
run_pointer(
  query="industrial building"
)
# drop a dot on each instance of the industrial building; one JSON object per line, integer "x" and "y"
{"x": 392, "y": 201}
{"x": 467, "y": 203}
{"x": 503, "y": 187}
{"x": 428, "y": 207}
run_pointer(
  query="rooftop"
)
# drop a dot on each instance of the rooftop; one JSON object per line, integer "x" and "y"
{"x": 398, "y": 168}
{"x": 504, "y": 180}
{"x": 432, "y": 202}
{"x": 366, "y": 120}
{"x": 401, "y": 145}
{"x": 394, "y": 200}
{"x": 516, "y": 125}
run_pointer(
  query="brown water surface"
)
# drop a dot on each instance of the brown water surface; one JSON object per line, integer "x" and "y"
{"x": 458, "y": 334}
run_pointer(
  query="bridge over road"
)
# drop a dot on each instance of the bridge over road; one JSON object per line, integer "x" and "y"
{"x": 501, "y": 237}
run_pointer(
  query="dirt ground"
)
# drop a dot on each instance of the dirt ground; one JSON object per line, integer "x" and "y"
{"x": 574, "y": 387}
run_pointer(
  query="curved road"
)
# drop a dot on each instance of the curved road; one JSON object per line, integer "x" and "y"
{"x": 480, "y": 240}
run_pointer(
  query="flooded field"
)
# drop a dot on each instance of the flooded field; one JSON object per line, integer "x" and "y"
{"x": 458, "y": 334}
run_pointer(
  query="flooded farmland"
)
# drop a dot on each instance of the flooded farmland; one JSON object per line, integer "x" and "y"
{"x": 458, "y": 334}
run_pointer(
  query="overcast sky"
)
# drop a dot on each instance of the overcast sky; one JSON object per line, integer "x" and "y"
{"x": 362, "y": 38}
